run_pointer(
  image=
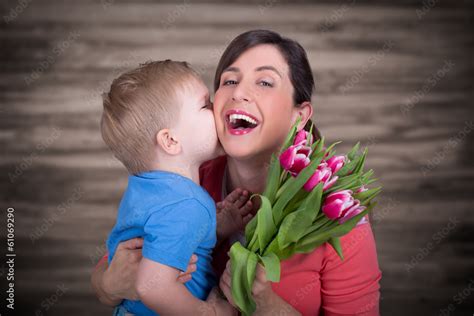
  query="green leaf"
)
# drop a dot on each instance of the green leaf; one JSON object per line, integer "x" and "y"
{"x": 318, "y": 237}
{"x": 272, "y": 266}
{"x": 367, "y": 196}
{"x": 266, "y": 227}
{"x": 349, "y": 167}
{"x": 317, "y": 147}
{"x": 311, "y": 134}
{"x": 361, "y": 163}
{"x": 294, "y": 225}
{"x": 250, "y": 229}
{"x": 352, "y": 153}
{"x": 295, "y": 202}
{"x": 242, "y": 267}
{"x": 335, "y": 242}
{"x": 313, "y": 202}
{"x": 273, "y": 179}
{"x": 292, "y": 186}
{"x": 251, "y": 270}
{"x": 329, "y": 149}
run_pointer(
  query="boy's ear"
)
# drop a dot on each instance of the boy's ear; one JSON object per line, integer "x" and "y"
{"x": 168, "y": 142}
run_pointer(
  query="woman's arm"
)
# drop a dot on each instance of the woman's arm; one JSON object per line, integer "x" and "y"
{"x": 351, "y": 286}
{"x": 116, "y": 282}
{"x": 267, "y": 301}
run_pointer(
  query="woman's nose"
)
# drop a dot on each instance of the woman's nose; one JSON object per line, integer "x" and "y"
{"x": 241, "y": 94}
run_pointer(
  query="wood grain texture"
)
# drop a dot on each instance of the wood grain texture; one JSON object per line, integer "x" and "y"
{"x": 399, "y": 83}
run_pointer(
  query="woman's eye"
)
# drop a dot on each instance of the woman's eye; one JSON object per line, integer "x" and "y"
{"x": 229, "y": 82}
{"x": 266, "y": 83}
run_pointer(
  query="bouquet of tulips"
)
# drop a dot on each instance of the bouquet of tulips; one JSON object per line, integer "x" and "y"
{"x": 312, "y": 196}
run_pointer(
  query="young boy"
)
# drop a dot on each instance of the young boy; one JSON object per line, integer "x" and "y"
{"x": 158, "y": 121}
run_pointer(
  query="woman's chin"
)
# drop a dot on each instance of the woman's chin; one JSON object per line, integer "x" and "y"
{"x": 238, "y": 150}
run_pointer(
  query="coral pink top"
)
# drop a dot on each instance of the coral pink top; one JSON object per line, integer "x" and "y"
{"x": 319, "y": 282}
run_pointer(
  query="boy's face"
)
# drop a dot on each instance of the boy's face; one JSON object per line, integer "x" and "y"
{"x": 195, "y": 127}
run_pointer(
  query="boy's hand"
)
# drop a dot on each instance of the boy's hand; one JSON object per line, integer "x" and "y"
{"x": 233, "y": 213}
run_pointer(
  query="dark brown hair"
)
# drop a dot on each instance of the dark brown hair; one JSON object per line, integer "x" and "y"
{"x": 301, "y": 76}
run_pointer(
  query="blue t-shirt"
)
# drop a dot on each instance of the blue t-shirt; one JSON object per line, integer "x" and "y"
{"x": 176, "y": 217}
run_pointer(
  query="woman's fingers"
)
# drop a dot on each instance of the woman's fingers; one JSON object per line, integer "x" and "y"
{"x": 134, "y": 256}
{"x": 225, "y": 285}
{"x": 134, "y": 243}
{"x": 261, "y": 283}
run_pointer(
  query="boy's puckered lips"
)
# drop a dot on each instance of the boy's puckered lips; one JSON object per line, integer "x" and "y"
{"x": 240, "y": 122}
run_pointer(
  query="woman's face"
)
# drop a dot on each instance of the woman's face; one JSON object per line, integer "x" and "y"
{"x": 253, "y": 106}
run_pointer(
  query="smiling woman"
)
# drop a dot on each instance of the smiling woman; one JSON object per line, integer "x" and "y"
{"x": 267, "y": 78}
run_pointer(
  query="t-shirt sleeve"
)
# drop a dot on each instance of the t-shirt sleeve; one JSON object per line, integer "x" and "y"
{"x": 351, "y": 286}
{"x": 173, "y": 233}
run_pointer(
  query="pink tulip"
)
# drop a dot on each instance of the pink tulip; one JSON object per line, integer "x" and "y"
{"x": 336, "y": 163}
{"x": 342, "y": 206}
{"x": 295, "y": 159}
{"x": 361, "y": 189}
{"x": 302, "y": 137}
{"x": 322, "y": 174}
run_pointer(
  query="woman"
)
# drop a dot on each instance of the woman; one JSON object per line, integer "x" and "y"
{"x": 263, "y": 83}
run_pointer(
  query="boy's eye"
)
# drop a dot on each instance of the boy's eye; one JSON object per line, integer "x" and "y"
{"x": 208, "y": 105}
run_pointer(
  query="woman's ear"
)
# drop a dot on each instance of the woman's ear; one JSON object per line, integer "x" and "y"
{"x": 167, "y": 142}
{"x": 305, "y": 112}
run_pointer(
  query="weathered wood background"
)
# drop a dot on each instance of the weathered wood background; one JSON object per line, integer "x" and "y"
{"x": 396, "y": 77}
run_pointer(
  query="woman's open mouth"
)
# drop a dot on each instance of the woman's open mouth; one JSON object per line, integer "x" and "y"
{"x": 240, "y": 122}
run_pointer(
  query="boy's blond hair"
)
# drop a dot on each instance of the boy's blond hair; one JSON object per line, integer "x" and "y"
{"x": 139, "y": 104}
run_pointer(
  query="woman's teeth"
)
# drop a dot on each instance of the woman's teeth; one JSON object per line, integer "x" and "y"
{"x": 234, "y": 117}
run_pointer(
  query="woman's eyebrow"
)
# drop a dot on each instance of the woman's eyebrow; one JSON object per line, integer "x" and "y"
{"x": 232, "y": 69}
{"x": 261, "y": 68}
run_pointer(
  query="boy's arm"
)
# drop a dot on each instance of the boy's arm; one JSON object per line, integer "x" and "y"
{"x": 158, "y": 289}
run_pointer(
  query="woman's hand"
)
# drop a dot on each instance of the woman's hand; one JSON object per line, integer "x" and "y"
{"x": 119, "y": 278}
{"x": 267, "y": 301}
{"x": 116, "y": 282}
{"x": 219, "y": 305}
{"x": 233, "y": 213}
{"x": 261, "y": 288}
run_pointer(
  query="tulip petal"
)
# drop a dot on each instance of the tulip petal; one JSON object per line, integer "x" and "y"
{"x": 330, "y": 183}
{"x": 353, "y": 211}
{"x": 312, "y": 181}
{"x": 287, "y": 158}
{"x": 341, "y": 195}
{"x": 300, "y": 138}
{"x": 333, "y": 210}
